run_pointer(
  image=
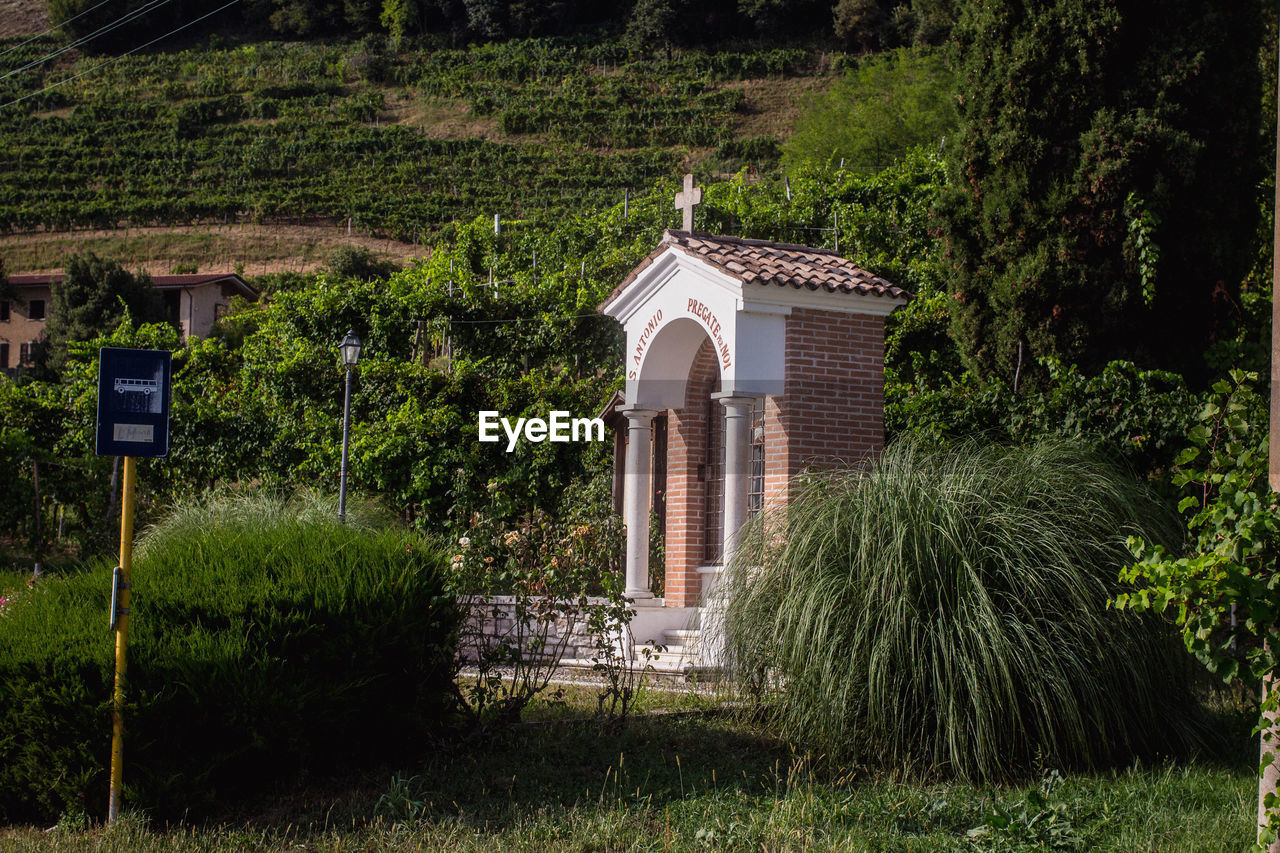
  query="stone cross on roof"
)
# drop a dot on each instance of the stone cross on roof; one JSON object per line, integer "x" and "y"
{"x": 685, "y": 201}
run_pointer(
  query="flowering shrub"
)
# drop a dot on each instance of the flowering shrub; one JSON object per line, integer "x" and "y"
{"x": 10, "y": 598}
{"x": 527, "y": 592}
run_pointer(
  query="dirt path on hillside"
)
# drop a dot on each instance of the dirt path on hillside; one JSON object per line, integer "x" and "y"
{"x": 211, "y": 248}
{"x": 23, "y": 18}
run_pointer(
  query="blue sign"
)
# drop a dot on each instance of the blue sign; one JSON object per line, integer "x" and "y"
{"x": 133, "y": 402}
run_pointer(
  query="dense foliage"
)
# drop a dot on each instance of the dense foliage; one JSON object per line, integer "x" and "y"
{"x": 946, "y": 611}
{"x": 508, "y": 322}
{"x": 90, "y": 299}
{"x": 1139, "y": 417}
{"x": 456, "y": 19}
{"x": 1102, "y": 189}
{"x": 1223, "y": 588}
{"x": 1222, "y": 591}
{"x": 649, "y": 24}
{"x": 871, "y": 118}
{"x": 1099, "y": 203}
{"x": 266, "y": 639}
{"x": 260, "y": 401}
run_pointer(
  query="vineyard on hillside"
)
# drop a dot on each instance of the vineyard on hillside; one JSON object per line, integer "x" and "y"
{"x": 293, "y": 133}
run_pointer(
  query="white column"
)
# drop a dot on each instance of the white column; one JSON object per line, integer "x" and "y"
{"x": 635, "y": 501}
{"x": 737, "y": 455}
{"x": 737, "y": 459}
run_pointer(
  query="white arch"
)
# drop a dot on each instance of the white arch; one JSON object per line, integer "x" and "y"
{"x": 664, "y": 369}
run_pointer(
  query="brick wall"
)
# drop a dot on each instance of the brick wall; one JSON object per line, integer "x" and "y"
{"x": 832, "y": 413}
{"x": 833, "y": 410}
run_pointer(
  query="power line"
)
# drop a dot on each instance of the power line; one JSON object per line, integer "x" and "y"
{"x": 523, "y": 320}
{"x": 51, "y": 29}
{"x": 105, "y": 28}
{"x": 115, "y": 59}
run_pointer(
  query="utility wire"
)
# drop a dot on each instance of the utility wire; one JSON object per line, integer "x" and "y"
{"x": 522, "y": 320}
{"x": 120, "y": 57}
{"x": 51, "y": 29}
{"x": 106, "y": 28}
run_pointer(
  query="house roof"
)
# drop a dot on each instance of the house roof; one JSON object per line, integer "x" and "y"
{"x": 764, "y": 263}
{"x": 612, "y": 409}
{"x": 159, "y": 282}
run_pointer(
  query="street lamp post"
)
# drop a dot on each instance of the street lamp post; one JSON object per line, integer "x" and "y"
{"x": 350, "y": 348}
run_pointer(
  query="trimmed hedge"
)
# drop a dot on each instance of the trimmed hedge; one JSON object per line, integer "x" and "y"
{"x": 266, "y": 639}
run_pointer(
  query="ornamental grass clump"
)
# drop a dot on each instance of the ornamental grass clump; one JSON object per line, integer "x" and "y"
{"x": 946, "y": 610}
{"x": 266, "y": 640}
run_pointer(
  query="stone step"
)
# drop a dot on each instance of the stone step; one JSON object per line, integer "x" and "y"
{"x": 681, "y": 636}
{"x": 666, "y": 655}
{"x": 679, "y": 653}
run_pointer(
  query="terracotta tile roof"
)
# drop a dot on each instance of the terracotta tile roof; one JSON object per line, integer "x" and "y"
{"x": 765, "y": 263}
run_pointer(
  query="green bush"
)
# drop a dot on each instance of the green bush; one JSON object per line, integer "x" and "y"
{"x": 266, "y": 639}
{"x": 947, "y": 611}
{"x": 1135, "y": 415}
{"x": 891, "y": 103}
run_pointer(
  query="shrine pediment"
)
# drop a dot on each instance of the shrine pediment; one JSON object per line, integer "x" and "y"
{"x": 761, "y": 272}
{"x": 736, "y": 293}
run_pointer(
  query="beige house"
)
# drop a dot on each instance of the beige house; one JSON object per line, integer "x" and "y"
{"x": 22, "y": 320}
{"x": 194, "y": 303}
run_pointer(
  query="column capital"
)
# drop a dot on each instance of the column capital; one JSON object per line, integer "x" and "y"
{"x": 638, "y": 414}
{"x": 735, "y": 399}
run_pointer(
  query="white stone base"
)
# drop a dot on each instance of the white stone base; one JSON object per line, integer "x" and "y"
{"x": 711, "y": 642}
{"x": 675, "y": 637}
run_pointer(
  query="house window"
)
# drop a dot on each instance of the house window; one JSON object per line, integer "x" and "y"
{"x": 4, "y": 356}
{"x": 4, "y": 310}
{"x": 35, "y": 309}
{"x": 24, "y": 354}
{"x": 755, "y": 478}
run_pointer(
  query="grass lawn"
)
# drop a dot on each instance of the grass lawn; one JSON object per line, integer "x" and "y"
{"x": 693, "y": 781}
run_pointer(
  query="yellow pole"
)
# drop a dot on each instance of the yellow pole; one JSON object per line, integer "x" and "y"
{"x": 122, "y": 642}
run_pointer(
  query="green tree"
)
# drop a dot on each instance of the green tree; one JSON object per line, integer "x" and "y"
{"x": 774, "y": 17}
{"x": 90, "y": 300}
{"x": 871, "y": 117}
{"x": 1224, "y": 591}
{"x": 359, "y": 263}
{"x": 863, "y": 25}
{"x": 653, "y": 24}
{"x": 1102, "y": 181}
{"x": 926, "y": 21}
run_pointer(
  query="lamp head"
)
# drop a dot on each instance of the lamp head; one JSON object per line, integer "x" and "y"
{"x": 350, "y": 348}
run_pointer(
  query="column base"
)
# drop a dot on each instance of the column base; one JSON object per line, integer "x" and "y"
{"x": 711, "y": 616}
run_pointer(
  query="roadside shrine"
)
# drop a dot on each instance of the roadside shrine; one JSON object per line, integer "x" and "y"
{"x": 747, "y": 362}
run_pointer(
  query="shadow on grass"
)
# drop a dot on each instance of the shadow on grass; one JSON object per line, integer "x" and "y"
{"x": 708, "y": 779}
{"x": 653, "y": 762}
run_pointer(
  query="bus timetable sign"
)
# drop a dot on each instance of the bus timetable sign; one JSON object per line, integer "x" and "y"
{"x": 133, "y": 402}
